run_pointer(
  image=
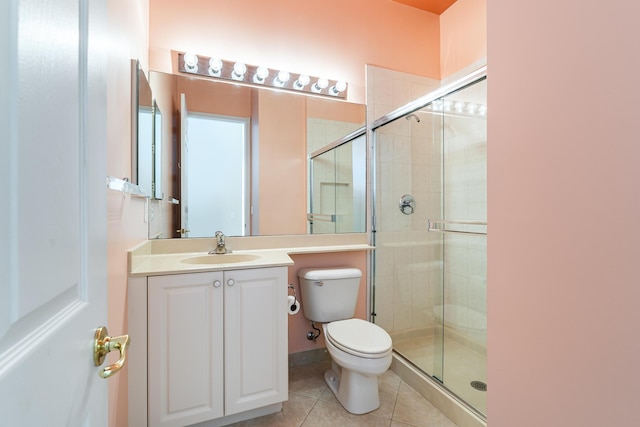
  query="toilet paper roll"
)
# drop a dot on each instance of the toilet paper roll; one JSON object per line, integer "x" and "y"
{"x": 293, "y": 306}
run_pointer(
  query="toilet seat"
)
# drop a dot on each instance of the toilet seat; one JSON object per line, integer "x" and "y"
{"x": 359, "y": 338}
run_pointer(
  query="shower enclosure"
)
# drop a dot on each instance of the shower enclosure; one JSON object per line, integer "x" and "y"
{"x": 429, "y": 230}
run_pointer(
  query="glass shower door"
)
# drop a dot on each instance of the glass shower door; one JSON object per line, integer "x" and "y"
{"x": 430, "y": 260}
{"x": 464, "y": 220}
{"x": 408, "y": 276}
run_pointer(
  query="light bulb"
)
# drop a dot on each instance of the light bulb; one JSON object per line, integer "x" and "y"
{"x": 320, "y": 85}
{"x": 190, "y": 62}
{"x": 261, "y": 74}
{"x": 282, "y": 78}
{"x": 215, "y": 66}
{"x": 239, "y": 69}
{"x": 302, "y": 81}
{"x": 339, "y": 87}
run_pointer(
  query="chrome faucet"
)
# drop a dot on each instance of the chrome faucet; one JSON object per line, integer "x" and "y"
{"x": 221, "y": 247}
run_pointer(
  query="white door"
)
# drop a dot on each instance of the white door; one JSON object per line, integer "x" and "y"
{"x": 184, "y": 155}
{"x": 52, "y": 212}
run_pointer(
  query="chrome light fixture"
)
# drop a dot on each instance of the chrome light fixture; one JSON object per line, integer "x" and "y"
{"x": 246, "y": 74}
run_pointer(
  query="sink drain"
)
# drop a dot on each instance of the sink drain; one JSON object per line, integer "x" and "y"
{"x": 479, "y": 385}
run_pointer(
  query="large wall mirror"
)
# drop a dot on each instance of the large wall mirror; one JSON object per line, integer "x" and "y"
{"x": 236, "y": 158}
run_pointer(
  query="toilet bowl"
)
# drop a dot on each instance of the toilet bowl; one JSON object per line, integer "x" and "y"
{"x": 359, "y": 350}
{"x": 353, "y": 377}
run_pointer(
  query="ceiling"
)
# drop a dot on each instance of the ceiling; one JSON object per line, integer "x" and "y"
{"x": 433, "y": 6}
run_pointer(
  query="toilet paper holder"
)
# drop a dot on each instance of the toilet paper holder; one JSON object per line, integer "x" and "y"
{"x": 295, "y": 297}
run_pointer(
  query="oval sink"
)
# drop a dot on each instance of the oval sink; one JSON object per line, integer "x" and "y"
{"x": 220, "y": 259}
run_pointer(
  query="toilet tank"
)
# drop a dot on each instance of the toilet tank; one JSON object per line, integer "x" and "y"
{"x": 329, "y": 294}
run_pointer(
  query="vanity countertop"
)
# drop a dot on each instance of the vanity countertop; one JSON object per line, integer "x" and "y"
{"x": 173, "y": 256}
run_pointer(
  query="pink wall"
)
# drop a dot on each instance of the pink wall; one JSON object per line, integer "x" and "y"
{"x": 333, "y": 38}
{"x": 463, "y": 35}
{"x": 128, "y": 39}
{"x": 564, "y": 203}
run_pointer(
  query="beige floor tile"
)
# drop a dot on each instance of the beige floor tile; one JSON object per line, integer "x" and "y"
{"x": 413, "y": 409}
{"x": 312, "y": 404}
{"x": 325, "y": 414}
{"x": 293, "y": 413}
{"x": 308, "y": 380}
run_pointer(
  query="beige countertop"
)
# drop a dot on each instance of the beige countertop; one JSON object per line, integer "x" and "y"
{"x": 173, "y": 256}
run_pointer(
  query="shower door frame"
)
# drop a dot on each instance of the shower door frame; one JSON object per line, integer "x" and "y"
{"x": 411, "y": 107}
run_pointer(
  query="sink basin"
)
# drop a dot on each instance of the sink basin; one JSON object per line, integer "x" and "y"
{"x": 220, "y": 259}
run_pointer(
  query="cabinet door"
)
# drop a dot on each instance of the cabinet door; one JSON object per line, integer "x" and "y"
{"x": 185, "y": 358}
{"x": 256, "y": 338}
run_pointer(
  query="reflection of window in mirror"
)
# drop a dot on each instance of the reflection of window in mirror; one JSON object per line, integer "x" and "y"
{"x": 217, "y": 150}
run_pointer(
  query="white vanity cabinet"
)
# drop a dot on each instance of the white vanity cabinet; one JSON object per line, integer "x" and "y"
{"x": 216, "y": 346}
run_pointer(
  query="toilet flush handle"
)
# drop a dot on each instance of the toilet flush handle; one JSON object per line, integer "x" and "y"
{"x": 318, "y": 283}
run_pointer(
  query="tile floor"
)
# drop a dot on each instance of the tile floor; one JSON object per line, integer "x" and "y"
{"x": 311, "y": 404}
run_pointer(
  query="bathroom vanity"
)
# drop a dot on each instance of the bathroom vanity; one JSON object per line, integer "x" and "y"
{"x": 211, "y": 339}
{"x": 209, "y": 333}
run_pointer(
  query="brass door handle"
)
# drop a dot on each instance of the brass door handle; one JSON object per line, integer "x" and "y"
{"x": 182, "y": 231}
{"x": 103, "y": 344}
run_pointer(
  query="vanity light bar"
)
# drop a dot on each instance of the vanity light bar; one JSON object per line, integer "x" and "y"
{"x": 259, "y": 75}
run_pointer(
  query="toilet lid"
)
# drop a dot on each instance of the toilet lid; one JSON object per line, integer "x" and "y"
{"x": 359, "y": 336}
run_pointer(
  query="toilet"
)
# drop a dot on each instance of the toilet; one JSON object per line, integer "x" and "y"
{"x": 360, "y": 351}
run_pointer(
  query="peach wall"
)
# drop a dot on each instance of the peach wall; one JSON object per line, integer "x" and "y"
{"x": 282, "y": 171}
{"x": 334, "y": 39}
{"x": 564, "y": 203}
{"x": 128, "y": 39}
{"x": 298, "y": 324}
{"x": 463, "y": 35}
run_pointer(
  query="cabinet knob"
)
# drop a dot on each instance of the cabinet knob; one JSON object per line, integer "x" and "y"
{"x": 217, "y": 284}
{"x": 231, "y": 282}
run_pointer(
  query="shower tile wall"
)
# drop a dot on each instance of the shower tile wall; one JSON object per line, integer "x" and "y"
{"x": 407, "y": 165}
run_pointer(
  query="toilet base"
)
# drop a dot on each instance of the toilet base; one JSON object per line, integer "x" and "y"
{"x": 357, "y": 393}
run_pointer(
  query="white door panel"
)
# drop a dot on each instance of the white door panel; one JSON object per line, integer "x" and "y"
{"x": 52, "y": 212}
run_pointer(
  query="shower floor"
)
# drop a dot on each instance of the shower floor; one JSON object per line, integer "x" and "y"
{"x": 463, "y": 363}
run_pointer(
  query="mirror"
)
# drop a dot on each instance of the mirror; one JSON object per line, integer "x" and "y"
{"x": 157, "y": 153}
{"x": 281, "y": 130}
{"x": 142, "y": 130}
